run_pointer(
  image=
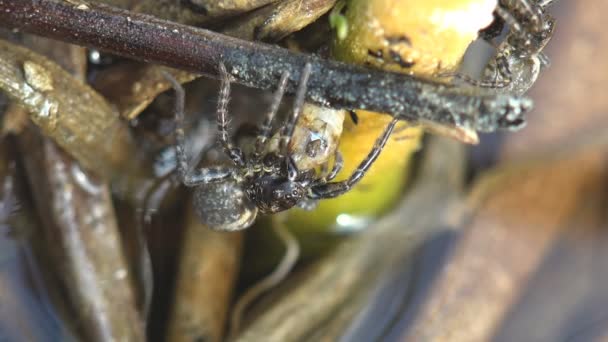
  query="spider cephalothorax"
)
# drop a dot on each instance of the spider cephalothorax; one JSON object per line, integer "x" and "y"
{"x": 267, "y": 180}
{"x": 273, "y": 193}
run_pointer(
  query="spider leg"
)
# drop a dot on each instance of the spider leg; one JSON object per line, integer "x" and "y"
{"x": 532, "y": 12}
{"x": 497, "y": 67}
{"x": 482, "y": 83}
{"x": 509, "y": 10}
{"x": 207, "y": 175}
{"x": 267, "y": 124}
{"x": 189, "y": 177}
{"x": 180, "y": 147}
{"x": 544, "y": 60}
{"x": 545, "y": 3}
{"x": 334, "y": 189}
{"x": 338, "y": 164}
{"x": 233, "y": 152}
{"x": 519, "y": 33}
{"x": 292, "y": 169}
{"x": 288, "y": 129}
{"x": 535, "y": 14}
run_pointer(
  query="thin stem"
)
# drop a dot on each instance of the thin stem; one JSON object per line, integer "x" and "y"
{"x": 258, "y": 65}
{"x": 285, "y": 266}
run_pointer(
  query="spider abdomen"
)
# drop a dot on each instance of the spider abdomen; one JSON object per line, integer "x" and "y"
{"x": 224, "y": 206}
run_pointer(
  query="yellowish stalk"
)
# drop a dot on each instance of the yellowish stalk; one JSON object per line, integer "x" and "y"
{"x": 424, "y": 38}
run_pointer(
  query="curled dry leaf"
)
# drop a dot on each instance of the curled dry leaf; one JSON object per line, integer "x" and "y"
{"x": 131, "y": 87}
{"x": 81, "y": 233}
{"x": 68, "y": 111}
{"x": 229, "y": 7}
{"x": 80, "y": 230}
{"x": 196, "y": 12}
{"x": 274, "y": 22}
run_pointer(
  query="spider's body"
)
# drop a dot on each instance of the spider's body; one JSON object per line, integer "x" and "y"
{"x": 267, "y": 180}
{"x": 233, "y": 203}
{"x": 519, "y": 58}
{"x": 224, "y": 205}
{"x": 273, "y": 192}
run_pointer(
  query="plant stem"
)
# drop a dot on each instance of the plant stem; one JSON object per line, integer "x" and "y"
{"x": 259, "y": 65}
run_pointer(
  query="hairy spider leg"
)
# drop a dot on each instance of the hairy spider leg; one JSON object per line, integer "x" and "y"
{"x": 180, "y": 139}
{"x": 331, "y": 190}
{"x": 545, "y": 3}
{"x": 536, "y": 14}
{"x": 528, "y": 38}
{"x": 233, "y": 152}
{"x": 288, "y": 129}
{"x": 525, "y": 8}
{"x": 206, "y": 175}
{"x": 536, "y": 10}
{"x": 187, "y": 176}
{"x": 510, "y": 19}
{"x": 338, "y": 164}
{"x": 482, "y": 83}
{"x": 265, "y": 128}
{"x": 501, "y": 61}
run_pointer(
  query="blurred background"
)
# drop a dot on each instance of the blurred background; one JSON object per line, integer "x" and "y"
{"x": 530, "y": 264}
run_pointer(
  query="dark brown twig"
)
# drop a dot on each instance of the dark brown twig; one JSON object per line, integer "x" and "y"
{"x": 333, "y": 84}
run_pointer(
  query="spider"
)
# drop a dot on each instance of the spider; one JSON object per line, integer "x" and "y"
{"x": 267, "y": 180}
{"x": 519, "y": 58}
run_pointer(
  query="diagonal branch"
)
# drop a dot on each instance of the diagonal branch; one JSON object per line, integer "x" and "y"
{"x": 259, "y": 65}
